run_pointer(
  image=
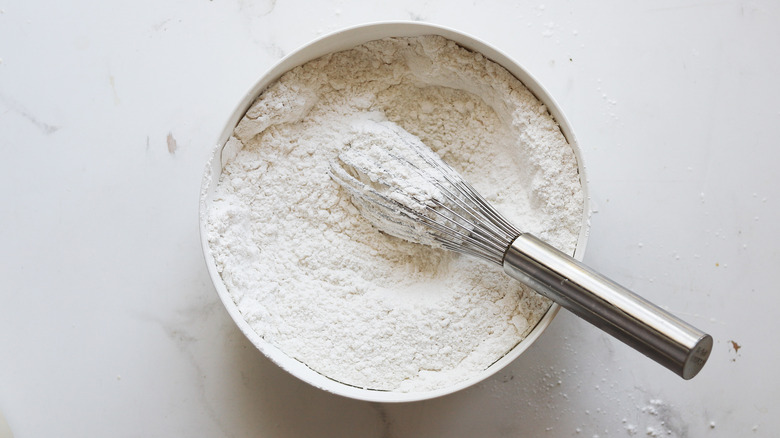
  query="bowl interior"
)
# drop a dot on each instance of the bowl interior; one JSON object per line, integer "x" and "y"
{"x": 342, "y": 40}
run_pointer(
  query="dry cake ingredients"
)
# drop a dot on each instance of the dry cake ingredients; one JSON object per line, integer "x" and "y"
{"x": 313, "y": 278}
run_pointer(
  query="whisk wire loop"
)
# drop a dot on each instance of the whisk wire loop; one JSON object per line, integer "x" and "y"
{"x": 458, "y": 219}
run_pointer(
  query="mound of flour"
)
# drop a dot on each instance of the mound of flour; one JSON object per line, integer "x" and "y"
{"x": 312, "y": 277}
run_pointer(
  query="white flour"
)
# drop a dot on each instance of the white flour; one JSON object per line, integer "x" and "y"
{"x": 312, "y": 277}
{"x": 383, "y": 169}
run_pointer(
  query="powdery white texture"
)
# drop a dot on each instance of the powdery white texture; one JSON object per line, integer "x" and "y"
{"x": 313, "y": 278}
{"x": 388, "y": 174}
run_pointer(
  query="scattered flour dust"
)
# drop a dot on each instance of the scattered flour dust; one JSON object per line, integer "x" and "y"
{"x": 313, "y": 278}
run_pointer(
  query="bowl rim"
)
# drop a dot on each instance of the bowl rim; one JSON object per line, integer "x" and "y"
{"x": 344, "y": 39}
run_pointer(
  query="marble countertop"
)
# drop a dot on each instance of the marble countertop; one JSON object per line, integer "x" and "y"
{"x": 110, "y": 326}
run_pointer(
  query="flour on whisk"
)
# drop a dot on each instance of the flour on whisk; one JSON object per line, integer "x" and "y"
{"x": 315, "y": 279}
{"x": 381, "y": 151}
{"x": 391, "y": 180}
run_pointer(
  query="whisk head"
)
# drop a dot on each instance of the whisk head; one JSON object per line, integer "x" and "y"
{"x": 406, "y": 190}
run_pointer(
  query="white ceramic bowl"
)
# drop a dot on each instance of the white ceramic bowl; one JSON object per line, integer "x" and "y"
{"x": 334, "y": 42}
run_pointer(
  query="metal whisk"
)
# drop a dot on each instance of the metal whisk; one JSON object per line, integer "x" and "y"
{"x": 405, "y": 189}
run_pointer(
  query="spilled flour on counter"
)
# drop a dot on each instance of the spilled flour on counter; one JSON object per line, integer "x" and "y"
{"x": 315, "y": 279}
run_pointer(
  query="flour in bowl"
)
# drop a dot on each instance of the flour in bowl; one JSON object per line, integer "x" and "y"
{"x": 315, "y": 279}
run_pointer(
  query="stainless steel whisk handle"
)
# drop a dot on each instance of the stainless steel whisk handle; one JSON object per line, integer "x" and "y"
{"x": 628, "y": 317}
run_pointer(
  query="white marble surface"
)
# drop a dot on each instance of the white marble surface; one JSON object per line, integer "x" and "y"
{"x": 109, "y": 325}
